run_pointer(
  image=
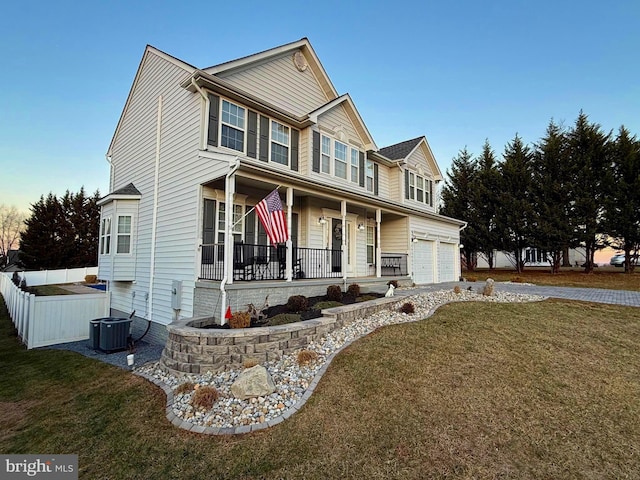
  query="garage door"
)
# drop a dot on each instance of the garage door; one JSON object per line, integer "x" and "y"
{"x": 423, "y": 262}
{"x": 446, "y": 262}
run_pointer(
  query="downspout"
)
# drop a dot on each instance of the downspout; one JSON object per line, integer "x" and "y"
{"x": 228, "y": 244}
{"x": 154, "y": 220}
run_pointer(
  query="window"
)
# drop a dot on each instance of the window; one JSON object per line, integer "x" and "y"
{"x": 325, "y": 157}
{"x": 371, "y": 244}
{"x": 105, "y": 236}
{"x": 279, "y": 143}
{"x": 232, "y": 126}
{"x": 419, "y": 188}
{"x": 340, "y": 160}
{"x": 124, "y": 234}
{"x": 355, "y": 165}
{"x": 369, "y": 179}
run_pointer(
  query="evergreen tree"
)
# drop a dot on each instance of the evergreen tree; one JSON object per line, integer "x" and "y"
{"x": 61, "y": 233}
{"x": 551, "y": 195}
{"x": 485, "y": 203}
{"x": 622, "y": 205}
{"x": 457, "y": 201}
{"x": 589, "y": 161}
{"x": 514, "y": 214}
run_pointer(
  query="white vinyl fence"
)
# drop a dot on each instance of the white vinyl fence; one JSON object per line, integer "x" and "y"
{"x": 54, "y": 277}
{"x": 51, "y": 320}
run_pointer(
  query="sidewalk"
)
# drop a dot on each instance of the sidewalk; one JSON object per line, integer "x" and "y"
{"x": 597, "y": 295}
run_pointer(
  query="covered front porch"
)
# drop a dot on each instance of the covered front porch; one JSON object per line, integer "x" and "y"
{"x": 329, "y": 237}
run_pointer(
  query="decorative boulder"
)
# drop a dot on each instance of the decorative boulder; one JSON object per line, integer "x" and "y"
{"x": 487, "y": 291}
{"x": 253, "y": 382}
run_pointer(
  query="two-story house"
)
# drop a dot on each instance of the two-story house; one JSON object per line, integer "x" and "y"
{"x": 196, "y": 149}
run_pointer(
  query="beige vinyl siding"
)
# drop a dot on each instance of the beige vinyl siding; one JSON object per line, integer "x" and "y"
{"x": 278, "y": 81}
{"x": 434, "y": 229}
{"x": 394, "y": 235}
{"x": 419, "y": 159}
{"x": 181, "y": 170}
{"x": 383, "y": 181}
{"x": 305, "y": 151}
{"x": 396, "y": 179}
{"x": 336, "y": 118}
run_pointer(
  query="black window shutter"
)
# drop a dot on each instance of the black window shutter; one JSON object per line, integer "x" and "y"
{"x": 361, "y": 173}
{"x": 252, "y": 134}
{"x": 406, "y": 184}
{"x": 375, "y": 179}
{"x": 264, "y": 139}
{"x": 316, "y": 152}
{"x": 214, "y": 107}
{"x": 431, "y": 193}
{"x": 294, "y": 149}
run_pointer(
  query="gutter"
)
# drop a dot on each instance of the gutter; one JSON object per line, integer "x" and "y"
{"x": 228, "y": 244}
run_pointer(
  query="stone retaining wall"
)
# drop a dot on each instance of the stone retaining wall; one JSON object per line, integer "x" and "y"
{"x": 193, "y": 349}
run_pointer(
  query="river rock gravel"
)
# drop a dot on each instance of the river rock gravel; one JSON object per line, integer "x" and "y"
{"x": 292, "y": 379}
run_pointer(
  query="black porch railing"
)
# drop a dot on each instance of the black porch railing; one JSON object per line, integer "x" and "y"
{"x": 264, "y": 262}
{"x": 393, "y": 264}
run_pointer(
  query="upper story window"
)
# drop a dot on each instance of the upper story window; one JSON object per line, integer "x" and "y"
{"x": 124, "y": 234}
{"x": 418, "y": 188}
{"x": 279, "y": 143}
{"x": 325, "y": 157}
{"x": 105, "y": 236}
{"x": 340, "y": 152}
{"x": 355, "y": 166}
{"x": 233, "y": 126}
{"x": 370, "y": 175}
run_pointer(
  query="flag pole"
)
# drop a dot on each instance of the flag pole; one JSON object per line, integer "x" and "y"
{"x": 250, "y": 210}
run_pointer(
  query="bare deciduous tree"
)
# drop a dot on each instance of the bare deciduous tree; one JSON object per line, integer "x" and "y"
{"x": 11, "y": 224}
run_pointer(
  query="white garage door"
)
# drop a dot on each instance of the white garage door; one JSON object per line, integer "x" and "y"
{"x": 423, "y": 262}
{"x": 446, "y": 262}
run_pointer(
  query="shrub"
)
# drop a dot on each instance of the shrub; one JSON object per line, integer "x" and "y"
{"x": 204, "y": 397}
{"x": 90, "y": 278}
{"x": 250, "y": 362}
{"x": 240, "y": 320}
{"x": 366, "y": 298}
{"x": 334, "y": 293}
{"x": 456, "y": 289}
{"x": 284, "y": 318}
{"x": 354, "y": 290}
{"x": 184, "y": 388}
{"x": 393, "y": 282}
{"x": 297, "y": 303}
{"x": 306, "y": 356}
{"x": 407, "y": 308}
{"x": 327, "y": 304}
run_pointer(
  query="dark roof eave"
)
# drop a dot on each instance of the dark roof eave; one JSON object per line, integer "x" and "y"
{"x": 211, "y": 82}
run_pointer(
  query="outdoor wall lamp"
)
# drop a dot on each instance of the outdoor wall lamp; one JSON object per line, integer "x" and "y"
{"x": 414, "y": 239}
{"x": 361, "y": 226}
{"x": 322, "y": 220}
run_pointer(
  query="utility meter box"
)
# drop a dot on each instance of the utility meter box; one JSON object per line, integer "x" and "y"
{"x": 176, "y": 294}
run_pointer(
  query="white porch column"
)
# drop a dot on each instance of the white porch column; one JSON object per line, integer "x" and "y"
{"x": 289, "y": 242}
{"x": 230, "y": 188}
{"x": 343, "y": 212}
{"x": 378, "y": 248}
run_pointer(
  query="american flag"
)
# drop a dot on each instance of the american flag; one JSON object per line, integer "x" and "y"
{"x": 273, "y": 218}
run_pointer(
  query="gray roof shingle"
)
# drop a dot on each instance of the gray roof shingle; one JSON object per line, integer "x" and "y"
{"x": 399, "y": 150}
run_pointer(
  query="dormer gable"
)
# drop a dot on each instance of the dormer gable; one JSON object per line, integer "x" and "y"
{"x": 416, "y": 154}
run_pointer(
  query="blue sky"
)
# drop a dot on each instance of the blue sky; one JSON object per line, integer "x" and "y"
{"x": 457, "y": 72}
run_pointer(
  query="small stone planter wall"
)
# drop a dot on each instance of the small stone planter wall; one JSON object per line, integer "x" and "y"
{"x": 193, "y": 349}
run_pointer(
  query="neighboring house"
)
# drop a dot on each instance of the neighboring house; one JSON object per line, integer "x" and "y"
{"x": 196, "y": 149}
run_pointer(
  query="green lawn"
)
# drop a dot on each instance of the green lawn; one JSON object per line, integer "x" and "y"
{"x": 542, "y": 390}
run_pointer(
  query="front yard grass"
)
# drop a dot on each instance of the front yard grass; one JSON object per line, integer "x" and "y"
{"x": 540, "y": 390}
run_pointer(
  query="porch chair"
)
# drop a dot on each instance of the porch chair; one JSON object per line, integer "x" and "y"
{"x": 243, "y": 262}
